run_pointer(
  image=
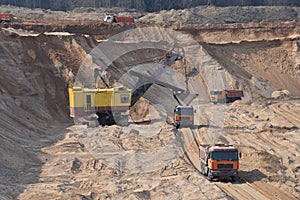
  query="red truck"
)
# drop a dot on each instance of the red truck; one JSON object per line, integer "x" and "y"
{"x": 6, "y": 17}
{"x": 225, "y": 96}
{"x": 110, "y": 18}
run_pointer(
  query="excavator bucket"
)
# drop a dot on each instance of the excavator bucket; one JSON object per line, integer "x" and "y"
{"x": 184, "y": 97}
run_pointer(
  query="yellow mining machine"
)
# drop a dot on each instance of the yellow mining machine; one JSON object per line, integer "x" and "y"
{"x": 111, "y": 104}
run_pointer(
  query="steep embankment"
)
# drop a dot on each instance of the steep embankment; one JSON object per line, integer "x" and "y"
{"x": 223, "y": 15}
{"x": 270, "y": 64}
{"x": 34, "y": 72}
{"x": 262, "y": 57}
{"x": 253, "y": 53}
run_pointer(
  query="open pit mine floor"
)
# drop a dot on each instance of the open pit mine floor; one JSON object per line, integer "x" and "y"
{"x": 43, "y": 155}
{"x": 157, "y": 161}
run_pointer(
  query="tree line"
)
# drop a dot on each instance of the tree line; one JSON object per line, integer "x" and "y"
{"x": 143, "y": 5}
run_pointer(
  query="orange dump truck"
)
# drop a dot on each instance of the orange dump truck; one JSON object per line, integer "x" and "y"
{"x": 225, "y": 96}
{"x": 219, "y": 161}
{"x": 6, "y": 17}
{"x": 184, "y": 116}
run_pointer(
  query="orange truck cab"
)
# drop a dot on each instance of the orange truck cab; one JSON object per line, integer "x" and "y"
{"x": 219, "y": 161}
{"x": 183, "y": 116}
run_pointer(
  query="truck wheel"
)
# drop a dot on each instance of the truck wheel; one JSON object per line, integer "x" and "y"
{"x": 209, "y": 176}
{"x": 191, "y": 125}
{"x": 233, "y": 178}
{"x": 202, "y": 169}
{"x": 206, "y": 171}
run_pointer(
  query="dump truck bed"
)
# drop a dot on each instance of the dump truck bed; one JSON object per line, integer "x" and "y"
{"x": 234, "y": 93}
{"x": 124, "y": 19}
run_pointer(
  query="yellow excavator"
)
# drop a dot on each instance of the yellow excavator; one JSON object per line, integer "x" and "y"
{"x": 110, "y": 104}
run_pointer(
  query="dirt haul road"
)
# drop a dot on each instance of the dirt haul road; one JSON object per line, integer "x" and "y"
{"x": 246, "y": 187}
{"x": 44, "y": 156}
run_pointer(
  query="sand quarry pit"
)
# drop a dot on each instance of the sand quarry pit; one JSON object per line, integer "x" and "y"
{"x": 44, "y": 155}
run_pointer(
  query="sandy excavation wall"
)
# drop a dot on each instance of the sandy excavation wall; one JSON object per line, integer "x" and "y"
{"x": 145, "y": 50}
{"x": 35, "y": 70}
{"x": 34, "y": 75}
{"x": 34, "y": 108}
{"x": 38, "y": 67}
{"x": 263, "y": 66}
